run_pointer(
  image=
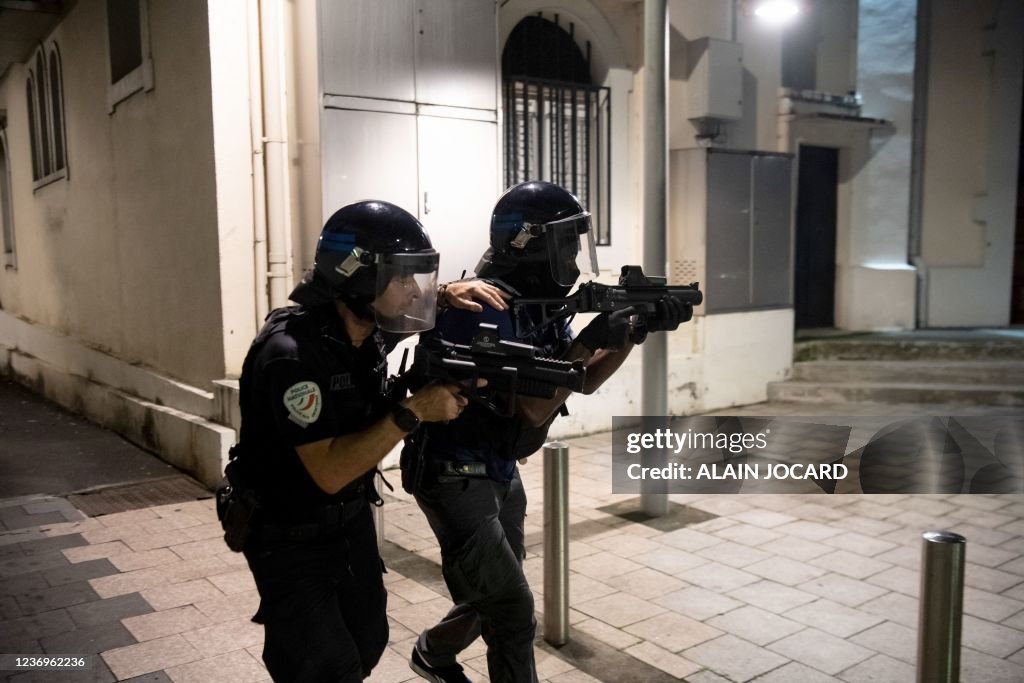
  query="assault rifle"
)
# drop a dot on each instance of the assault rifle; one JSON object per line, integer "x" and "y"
{"x": 509, "y": 367}
{"x": 634, "y": 289}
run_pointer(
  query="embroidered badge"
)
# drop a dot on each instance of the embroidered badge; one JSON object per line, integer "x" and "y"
{"x": 303, "y": 401}
{"x": 342, "y": 381}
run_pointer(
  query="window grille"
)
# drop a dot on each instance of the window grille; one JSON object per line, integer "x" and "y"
{"x": 561, "y": 132}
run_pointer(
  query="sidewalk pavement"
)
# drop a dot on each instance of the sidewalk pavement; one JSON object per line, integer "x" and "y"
{"x": 767, "y": 588}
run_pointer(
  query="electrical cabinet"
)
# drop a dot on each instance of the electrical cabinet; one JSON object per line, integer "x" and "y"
{"x": 731, "y": 227}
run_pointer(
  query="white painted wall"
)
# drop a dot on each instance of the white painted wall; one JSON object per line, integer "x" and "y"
{"x": 872, "y": 267}
{"x": 970, "y": 161}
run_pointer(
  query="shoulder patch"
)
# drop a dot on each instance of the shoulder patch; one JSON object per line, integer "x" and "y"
{"x": 303, "y": 401}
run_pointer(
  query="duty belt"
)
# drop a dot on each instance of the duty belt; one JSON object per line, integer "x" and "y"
{"x": 328, "y": 520}
{"x": 448, "y": 470}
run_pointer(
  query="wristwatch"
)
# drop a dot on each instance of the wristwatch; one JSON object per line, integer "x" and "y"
{"x": 405, "y": 418}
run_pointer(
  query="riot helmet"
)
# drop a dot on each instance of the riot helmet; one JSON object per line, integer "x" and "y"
{"x": 536, "y": 233}
{"x": 377, "y": 258}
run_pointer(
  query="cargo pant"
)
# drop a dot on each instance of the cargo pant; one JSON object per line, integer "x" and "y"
{"x": 479, "y": 526}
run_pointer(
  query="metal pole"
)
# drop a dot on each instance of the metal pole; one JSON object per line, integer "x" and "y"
{"x": 942, "y": 604}
{"x": 378, "y": 520}
{"x": 655, "y": 349}
{"x": 556, "y": 543}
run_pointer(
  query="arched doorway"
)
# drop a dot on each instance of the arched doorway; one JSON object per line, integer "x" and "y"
{"x": 557, "y": 122}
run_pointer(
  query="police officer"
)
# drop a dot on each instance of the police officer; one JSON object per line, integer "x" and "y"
{"x": 464, "y": 473}
{"x": 316, "y": 420}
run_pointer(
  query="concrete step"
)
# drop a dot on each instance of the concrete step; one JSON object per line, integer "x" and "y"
{"x": 895, "y": 392}
{"x": 896, "y": 347}
{"x": 967, "y": 373}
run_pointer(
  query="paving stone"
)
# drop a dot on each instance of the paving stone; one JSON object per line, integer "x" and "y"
{"x": 56, "y": 597}
{"x": 992, "y": 557}
{"x": 687, "y": 539}
{"x": 831, "y": 617}
{"x": 809, "y": 531}
{"x": 895, "y": 607}
{"x": 892, "y": 639}
{"x": 95, "y": 552}
{"x": 772, "y": 596}
{"x": 91, "y": 640}
{"x": 989, "y": 638}
{"x": 992, "y": 580}
{"x": 795, "y": 672}
{"x": 45, "y": 545}
{"x": 617, "y": 638}
{"x": 645, "y": 583}
{"x": 625, "y": 545}
{"x": 717, "y": 577}
{"x": 673, "y": 631}
{"x": 79, "y": 572}
{"x": 160, "y": 624}
{"x": 422, "y": 615}
{"x": 898, "y": 579}
{"x": 97, "y": 672}
{"x": 27, "y": 564}
{"x": 850, "y": 564}
{"x": 821, "y": 651}
{"x": 411, "y": 591}
{"x": 669, "y": 560}
{"x": 859, "y": 543}
{"x": 151, "y": 656}
{"x": 39, "y": 625}
{"x": 178, "y": 594}
{"x": 735, "y": 658}
{"x": 23, "y": 584}
{"x": 659, "y": 658}
{"x": 734, "y": 554}
{"x": 978, "y": 666}
{"x": 877, "y": 669}
{"x": 796, "y": 548}
{"x": 697, "y": 603}
{"x": 756, "y": 625}
{"x": 990, "y": 606}
{"x": 785, "y": 571}
{"x": 763, "y": 518}
{"x": 108, "y": 610}
{"x": 619, "y": 609}
{"x": 843, "y": 589}
{"x": 142, "y": 560}
{"x": 230, "y": 583}
{"x": 26, "y": 521}
{"x": 225, "y": 637}
{"x": 748, "y": 534}
{"x": 604, "y": 565}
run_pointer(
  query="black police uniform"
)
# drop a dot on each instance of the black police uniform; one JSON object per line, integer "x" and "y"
{"x": 479, "y": 520}
{"x": 313, "y": 555}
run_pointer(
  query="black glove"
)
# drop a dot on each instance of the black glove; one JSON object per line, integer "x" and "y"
{"x": 608, "y": 330}
{"x": 671, "y": 312}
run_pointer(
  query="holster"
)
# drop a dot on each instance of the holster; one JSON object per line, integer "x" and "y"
{"x": 237, "y": 504}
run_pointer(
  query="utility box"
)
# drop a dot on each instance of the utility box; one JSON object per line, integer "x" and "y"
{"x": 731, "y": 227}
{"x": 715, "y": 85}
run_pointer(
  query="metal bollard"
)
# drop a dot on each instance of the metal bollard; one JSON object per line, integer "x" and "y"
{"x": 941, "y": 610}
{"x": 378, "y": 520}
{"x": 556, "y": 543}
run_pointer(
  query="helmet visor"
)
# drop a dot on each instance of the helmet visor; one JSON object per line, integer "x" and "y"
{"x": 567, "y": 254}
{"x": 407, "y": 292}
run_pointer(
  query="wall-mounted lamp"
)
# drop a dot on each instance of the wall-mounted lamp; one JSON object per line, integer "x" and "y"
{"x": 772, "y": 11}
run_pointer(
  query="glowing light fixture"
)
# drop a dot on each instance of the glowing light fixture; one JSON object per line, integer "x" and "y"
{"x": 776, "y": 11}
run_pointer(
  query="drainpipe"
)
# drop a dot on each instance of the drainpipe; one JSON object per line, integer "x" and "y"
{"x": 259, "y": 194}
{"x": 655, "y": 349}
{"x": 275, "y": 62}
{"x": 917, "y": 152}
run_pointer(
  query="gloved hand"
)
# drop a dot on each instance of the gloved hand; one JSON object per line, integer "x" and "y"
{"x": 608, "y": 330}
{"x": 671, "y": 312}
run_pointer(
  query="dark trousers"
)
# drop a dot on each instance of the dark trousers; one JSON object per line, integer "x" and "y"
{"x": 479, "y": 526}
{"x": 322, "y": 604}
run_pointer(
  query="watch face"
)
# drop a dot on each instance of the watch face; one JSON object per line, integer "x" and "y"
{"x": 405, "y": 419}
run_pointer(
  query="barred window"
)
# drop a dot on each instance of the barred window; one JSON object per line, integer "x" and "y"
{"x": 557, "y": 123}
